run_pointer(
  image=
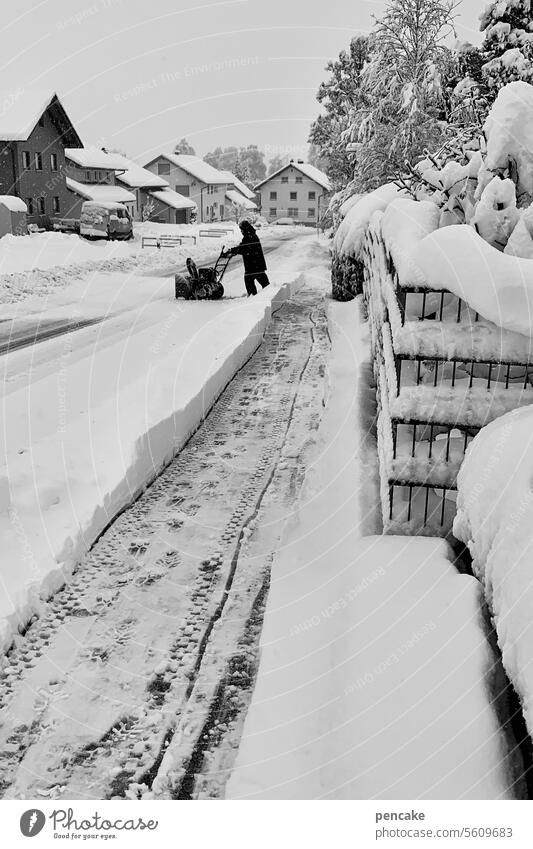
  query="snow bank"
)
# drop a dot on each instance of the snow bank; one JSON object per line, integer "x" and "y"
{"x": 509, "y": 130}
{"x": 45, "y": 262}
{"x": 350, "y": 236}
{"x": 404, "y": 223}
{"x": 498, "y": 286}
{"x": 79, "y": 443}
{"x": 495, "y": 519}
{"x": 374, "y": 661}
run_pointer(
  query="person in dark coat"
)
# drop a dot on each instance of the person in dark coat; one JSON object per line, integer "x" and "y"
{"x": 253, "y": 258}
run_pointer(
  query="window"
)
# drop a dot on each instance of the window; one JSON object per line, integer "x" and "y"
{"x": 292, "y": 212}
{"x": 284, "y": 179}
{"x": 26, "y": 159}
{"x": 311, "y": 196}
{"x": 38, "y": 162}
{"x": 310, "y": 212}
{"x": 299, "y": 179}
{"x": 42, "y": 208}
{"x": 53, "y": 162}
{"x": 163, "y": 168}
{"x": 294, "y": 195}
{"x": 183, "y": 190}
{"x": 29, "y": 204}
{"x": 273, "y": 195}
{"x": 272, "y": 212}
{"x": 41, "y": 121}
{"x": 55, "y": 204}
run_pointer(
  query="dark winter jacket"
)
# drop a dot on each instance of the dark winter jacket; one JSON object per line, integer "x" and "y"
{"x": 251, "y": 252}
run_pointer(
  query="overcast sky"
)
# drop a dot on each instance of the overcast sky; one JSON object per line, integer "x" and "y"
{"x": 139, "y": 75}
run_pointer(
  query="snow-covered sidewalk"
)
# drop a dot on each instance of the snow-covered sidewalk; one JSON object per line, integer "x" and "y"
{"x": 375, "y": 666}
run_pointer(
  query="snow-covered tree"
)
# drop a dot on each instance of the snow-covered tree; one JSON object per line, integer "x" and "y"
{"x": 251, "y": 166}
{"x": 183, "y": 146}
{"x": 341, "y": 96}
{"x": 407, "y": 107}
{"x": 276, "y": 163}
{"x": 247, "y": 163}
{"x": 507, "y": 43}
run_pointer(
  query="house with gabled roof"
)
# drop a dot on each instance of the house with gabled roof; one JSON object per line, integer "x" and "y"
{"x": 155, "y": 200}
{"x": 34, "y": 132}
{"x": 191, "y": 177}
{"x": 91, "y": 174}
{"x": 298, "y": 190}
{"x": 238, "y": 196}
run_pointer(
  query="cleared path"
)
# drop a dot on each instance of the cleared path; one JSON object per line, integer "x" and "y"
{"x": 136, "y": 678}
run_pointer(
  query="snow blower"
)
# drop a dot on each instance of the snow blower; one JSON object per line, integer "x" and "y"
{"x": 202, "y": 284}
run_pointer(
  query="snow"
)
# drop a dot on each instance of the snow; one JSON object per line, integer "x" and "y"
{"x": 239, "y": 200}
{"x": 305, "y": 168}
{"x": 100, "y": 192}
{"x": 14, "y": 204}
{"x": 404, "y": 223}
{"x": 509, "y": 129}
{"x": 373, "y": 674}
{"x": 496, "y": 214}
{"x": 21, "y": 109}
{"x": 173, "y": 199}
{"x": 95, "y": 157}
{"x": 197, "y": 168}
{"x": 498, "y": 286}
{"x": 458, "y": 405}
{"x": 520, "y": 242}
{"x": 139, "y": 178}
{"x": 348, "y": 203}
{"x": 350, "y": 235}
{"x": 313, "y": 173}
{"x": 466, "y": 341}
{"x": 495, "y": 519}
{"x": 92, "y": 416}
{"x": 241, "y": 187}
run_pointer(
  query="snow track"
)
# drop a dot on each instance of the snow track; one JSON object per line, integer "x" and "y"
{"x": 135, "y": 680}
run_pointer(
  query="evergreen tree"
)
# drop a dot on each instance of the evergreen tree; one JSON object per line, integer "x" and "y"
{"x": 507, "y": 46}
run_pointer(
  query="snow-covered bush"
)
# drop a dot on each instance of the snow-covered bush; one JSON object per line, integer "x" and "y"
{"x": 346, "y": 263}
{"x": 507, "y": 42}
{"x": 495, "y": 520}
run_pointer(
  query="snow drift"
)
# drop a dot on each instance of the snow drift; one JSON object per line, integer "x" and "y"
{"x": 495, "y": 519}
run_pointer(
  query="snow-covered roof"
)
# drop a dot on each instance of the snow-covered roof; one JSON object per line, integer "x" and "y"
{"x": 196, "y": 167}
{"x": 239, "y": 185}
{"x": 309, "y": 170}
{"x": 94, "y": 157}
{"x": 103, "y": 204}
{"x": 138, "y": 178}
{"x": 14, "y": 204}
{"x": 21, "y": 109}
{"x": 99, "y": 192}
{"x": 173, "y": 199}
{"x": 235, "y": 197}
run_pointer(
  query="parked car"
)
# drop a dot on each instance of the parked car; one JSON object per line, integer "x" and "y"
{"x": 105, "y": 220}
{"x": 286, "y": 221}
